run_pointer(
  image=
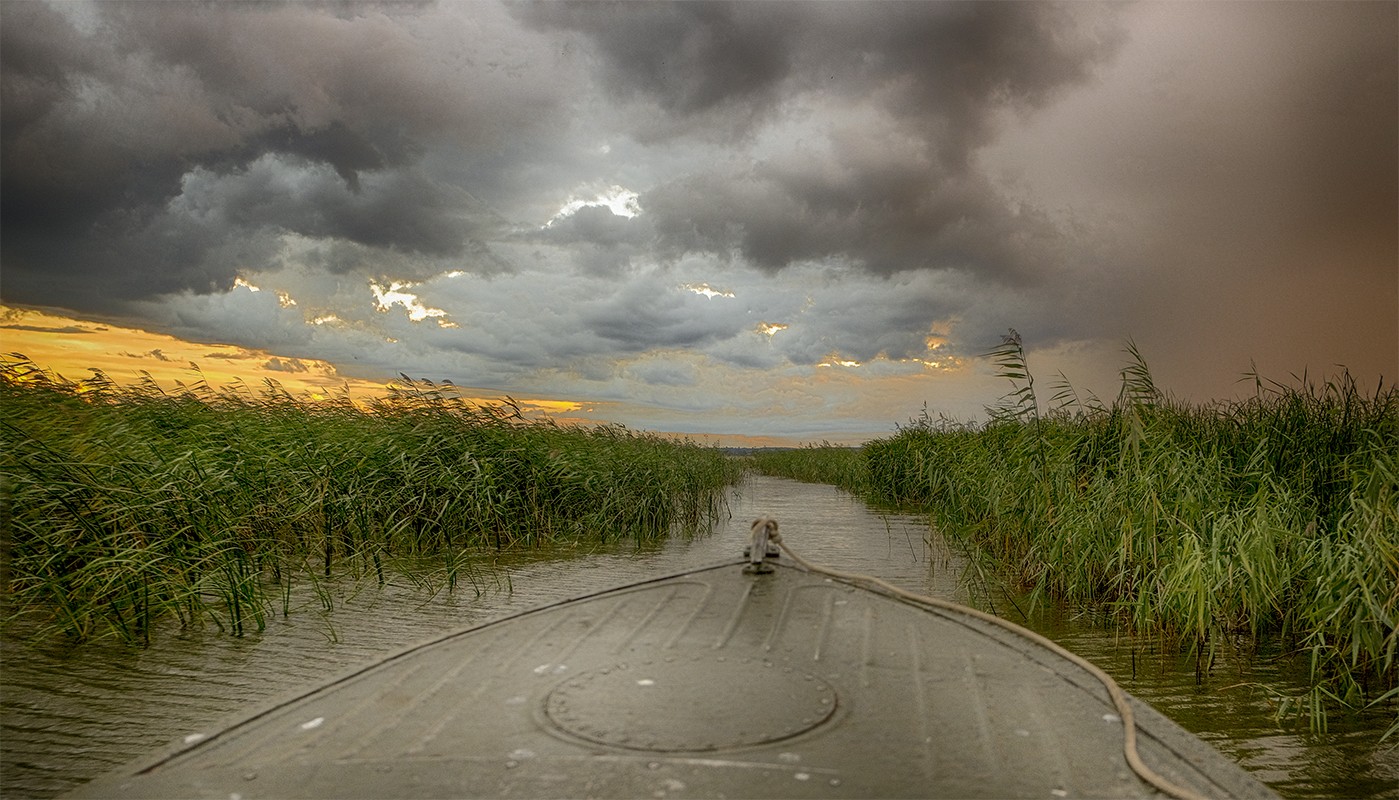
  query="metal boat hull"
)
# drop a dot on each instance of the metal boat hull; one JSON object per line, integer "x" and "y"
{"x": 709, "y": 683}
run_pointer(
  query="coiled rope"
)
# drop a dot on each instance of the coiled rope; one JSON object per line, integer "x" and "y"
{"x": 1119, "y": 697}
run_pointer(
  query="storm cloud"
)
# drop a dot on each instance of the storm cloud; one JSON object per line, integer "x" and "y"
{"x": 585, "y": 197}
{"x": 155, "y": 149}
{"x": 888, "y": 182}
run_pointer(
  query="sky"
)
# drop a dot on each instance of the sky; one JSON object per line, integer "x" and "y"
{"x": 760, "y": 222}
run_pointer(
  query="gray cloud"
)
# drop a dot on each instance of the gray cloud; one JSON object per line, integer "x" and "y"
{"x": 888, "y": 183}
{"x": 596, "y": 225}
{"x": 686, "y": 57}
{"x": 292, "y": 365}
{"x": 399, "y": 209}
{"x": 157, "y": 354}
{"x": 653, "y": 313}
{"x": 1216, "y": 182}
{"x": 113, "y": 136}
{"x": 664, "y": 373}
{"x": 599, "y": 241}
{"x": 66, "y": 329}
{"x": 169, "y": 147}
{"x": 866, "y": 203}
{"x": 864, "y": 319}
{"x": 946, "y": 63}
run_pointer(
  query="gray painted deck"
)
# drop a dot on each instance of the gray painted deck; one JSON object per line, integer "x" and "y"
{"x": 711, "y": 683}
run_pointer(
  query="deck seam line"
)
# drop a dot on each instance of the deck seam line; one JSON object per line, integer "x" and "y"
{"x": 690, "y": 620}
{"x": 646, "y": 620}
{"x": 735, "y": 618}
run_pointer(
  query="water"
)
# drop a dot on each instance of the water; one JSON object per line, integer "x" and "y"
{"x": 70, "y": 714}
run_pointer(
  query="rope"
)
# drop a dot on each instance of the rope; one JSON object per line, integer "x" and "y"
{"x": 1119, "y": 697}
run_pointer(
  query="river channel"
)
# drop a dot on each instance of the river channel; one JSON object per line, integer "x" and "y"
{"x": 71, "y": 713}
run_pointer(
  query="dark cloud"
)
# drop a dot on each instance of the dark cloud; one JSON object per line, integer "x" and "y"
{"x": 946, "y": 68}
{"x": 157, "y": 354}
{"x": 348, "y": 152}
{"x": 888, "y": 183}
{"x": 155, "y": 149}
{"x": 686, "y": 57}
{"x": 649, "y": 313}
{"x": 599, "y": 242}
{"x": 944, "y": 64}
{"x": 293, "y": 365}
{"x": 389, "y": 210}
{"x": 165, "y": 148}
{"x": 598, "y": 225}
{"x": 66, "y": 329}
{"x": 865, "y": 203}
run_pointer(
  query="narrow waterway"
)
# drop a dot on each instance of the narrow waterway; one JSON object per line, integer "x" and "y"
{"x": 72, "y": 713}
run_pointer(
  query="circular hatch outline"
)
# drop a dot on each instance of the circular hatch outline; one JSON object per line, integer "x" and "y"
{"x": 748, "y": 704}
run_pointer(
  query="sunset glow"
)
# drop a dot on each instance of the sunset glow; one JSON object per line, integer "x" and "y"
{"x": 74, "y": 350}
{"x": 835, "y": 360}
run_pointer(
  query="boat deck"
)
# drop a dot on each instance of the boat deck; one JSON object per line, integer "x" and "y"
{"x": 711, "y": 683}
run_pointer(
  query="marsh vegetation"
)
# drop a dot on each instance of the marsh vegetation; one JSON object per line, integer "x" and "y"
{"x": 1270, "y": 522}
{"x": 127, "y": 505}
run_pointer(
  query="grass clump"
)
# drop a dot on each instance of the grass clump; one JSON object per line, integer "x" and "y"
{"x": 123, "y": 506}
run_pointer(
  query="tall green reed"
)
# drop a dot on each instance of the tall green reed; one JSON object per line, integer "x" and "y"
{"x": 129, "y": 505}
{"x": 824, "y": 463}
{"x": 1274, "y": 518}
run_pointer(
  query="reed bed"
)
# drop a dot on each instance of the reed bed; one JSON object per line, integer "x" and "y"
{"x": 843, "y": 467}
{"x": 1274, "y": 519}
{"x": 127, "y": 505}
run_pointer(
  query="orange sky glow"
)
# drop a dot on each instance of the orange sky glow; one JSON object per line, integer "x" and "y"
{"x": 75, "y": 349}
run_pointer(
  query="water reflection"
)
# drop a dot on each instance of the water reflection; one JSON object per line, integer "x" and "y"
{"x": 1233, "y": 708}
{"x": 72, "y": 713}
